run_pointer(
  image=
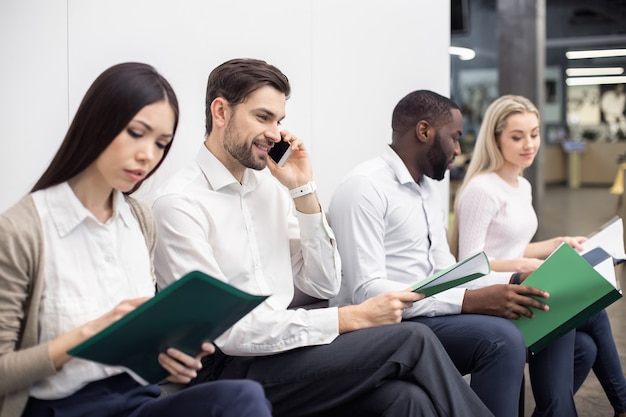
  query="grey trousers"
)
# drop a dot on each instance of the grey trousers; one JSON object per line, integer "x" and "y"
{"x": 396, "y": 370}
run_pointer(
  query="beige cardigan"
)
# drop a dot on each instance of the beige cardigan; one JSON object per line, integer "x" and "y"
{"x": 22, "y": 360}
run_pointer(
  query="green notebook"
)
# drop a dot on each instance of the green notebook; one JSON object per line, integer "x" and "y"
{"x": 577, "y": 291}
{"x": 194, "y": 309}
{"x": 461, "y": 272}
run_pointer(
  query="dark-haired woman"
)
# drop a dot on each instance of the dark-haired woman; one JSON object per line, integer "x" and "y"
{"x": 76, "y": 255}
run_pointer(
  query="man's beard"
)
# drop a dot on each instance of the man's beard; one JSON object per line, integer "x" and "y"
{"x": 241, "y": 150}
{"x": 438, "y": 160}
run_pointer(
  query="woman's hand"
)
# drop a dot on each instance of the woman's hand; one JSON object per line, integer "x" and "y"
{"x": 58, "y": 347}
{"x": 182, "y": 367}
{"x": 92, "y": 327}
{"x": 574, "y": 241}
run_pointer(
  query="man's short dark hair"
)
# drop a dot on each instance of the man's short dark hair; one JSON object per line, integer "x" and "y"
{"x": 236, "y": 79}
{"x": 421, "y": 105}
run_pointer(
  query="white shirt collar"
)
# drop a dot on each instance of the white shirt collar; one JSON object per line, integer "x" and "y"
{"x": 399, "y": 169}
{"x": 67, "y": 212}
{"x": 219, "y": 176}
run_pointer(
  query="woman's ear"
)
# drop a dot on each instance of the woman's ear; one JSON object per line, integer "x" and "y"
{"x": 219, "y": 110}
{"x": 423, "y": 131}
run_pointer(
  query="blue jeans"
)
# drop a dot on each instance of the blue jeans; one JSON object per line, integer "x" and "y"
{"x": 491, "y": 349}
{"x": 555, "y": 377}
{"x": 607, "y": 365}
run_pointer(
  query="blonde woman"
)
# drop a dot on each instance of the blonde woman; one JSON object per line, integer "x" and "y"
{"x": 494, "y": 213}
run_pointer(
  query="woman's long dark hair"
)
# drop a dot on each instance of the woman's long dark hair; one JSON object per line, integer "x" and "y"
{"x": 114, "y": 98}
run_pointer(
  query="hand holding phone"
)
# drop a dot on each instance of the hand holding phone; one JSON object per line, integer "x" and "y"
{"x": 280, "y": 152}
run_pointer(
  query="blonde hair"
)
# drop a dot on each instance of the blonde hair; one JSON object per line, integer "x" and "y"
{"x": 487, "y": 156}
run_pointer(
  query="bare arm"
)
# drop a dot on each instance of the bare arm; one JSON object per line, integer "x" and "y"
{"x": 544, "y": 248}
{"x": 515, "y": 265}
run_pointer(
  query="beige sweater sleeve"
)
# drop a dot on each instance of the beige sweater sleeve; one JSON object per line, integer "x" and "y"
{"x": 22, "y": 361}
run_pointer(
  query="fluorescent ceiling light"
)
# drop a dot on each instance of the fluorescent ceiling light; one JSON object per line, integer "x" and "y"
{"x": 595, "y": 80}
{"x": 597, "y": 53}
{"x": 464, "y": 54}
{"x": 578, "y": 72}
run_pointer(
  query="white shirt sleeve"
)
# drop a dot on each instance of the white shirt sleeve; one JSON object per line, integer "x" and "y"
{"x": 315, "y": 258}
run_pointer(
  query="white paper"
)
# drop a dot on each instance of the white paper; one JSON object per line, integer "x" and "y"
{"x": 610, "y": 238}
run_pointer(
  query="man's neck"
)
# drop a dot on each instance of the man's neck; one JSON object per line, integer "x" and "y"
{"x": 214, "y": 145}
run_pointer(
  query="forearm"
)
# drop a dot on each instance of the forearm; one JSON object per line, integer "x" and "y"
{"x": 57, "y": 348}
{"x": 542, "y": 249}
{"x": 308, "y": 204}
{"x": 351, "y": 318}
{"x": 507, "y": 265}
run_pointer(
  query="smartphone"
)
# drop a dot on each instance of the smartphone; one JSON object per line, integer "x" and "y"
{"x": 280, "y": 152}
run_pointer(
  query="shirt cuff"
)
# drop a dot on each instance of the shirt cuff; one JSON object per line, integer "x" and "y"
{"x": 442, "y": 304}
{"x": 324, "y": 325}
{"x": 490, "y": 279}
{"x": 313, "y": 225}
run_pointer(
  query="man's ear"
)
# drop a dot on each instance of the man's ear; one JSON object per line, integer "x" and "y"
{"x": 423, "y": 131}
{"x": 220, "y": 111}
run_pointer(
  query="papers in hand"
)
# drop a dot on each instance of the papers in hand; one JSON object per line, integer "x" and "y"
{"x": 609, "y": 237}
{"x": 579, "y": 286}
{"x": 461, "y": 272}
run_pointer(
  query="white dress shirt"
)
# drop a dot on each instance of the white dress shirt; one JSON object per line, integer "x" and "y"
{"x": 247, "y": 235}
{"x": 90, "y": 267}
{"x": 391, "y": 234}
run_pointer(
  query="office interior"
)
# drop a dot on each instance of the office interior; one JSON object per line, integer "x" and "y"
{"x": 349, "y": 62}
{"x": 581, "y": 98}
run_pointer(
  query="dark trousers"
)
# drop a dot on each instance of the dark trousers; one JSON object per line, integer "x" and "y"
{"x": 491, "y": 349}
{"x": 396, "y": 370}
{"x": 607, "y": 365}
{"x": 121, "y": 396}
{"x": 552, "y": 376}
{"x": 555, "y": 378}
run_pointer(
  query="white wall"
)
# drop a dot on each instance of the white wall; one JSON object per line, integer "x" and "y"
{"x": 348, "y": 61}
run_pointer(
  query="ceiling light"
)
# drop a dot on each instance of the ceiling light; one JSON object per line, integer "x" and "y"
{"x": 595, "y": 80}
{"x": 578, "y": 72}
{"x": 464, "y": 54}
{"x": 597, "y": 53}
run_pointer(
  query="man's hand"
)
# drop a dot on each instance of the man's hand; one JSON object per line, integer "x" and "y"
{"x": 383, "y": 309}
{"x": 297, "y": 170}
{"x": 504, "y": 300}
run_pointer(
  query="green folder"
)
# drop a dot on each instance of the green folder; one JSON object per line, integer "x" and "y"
{"x": 194, "y": 309}
{"x": 461, "y": 272}
{"x": 577, "y": 291}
